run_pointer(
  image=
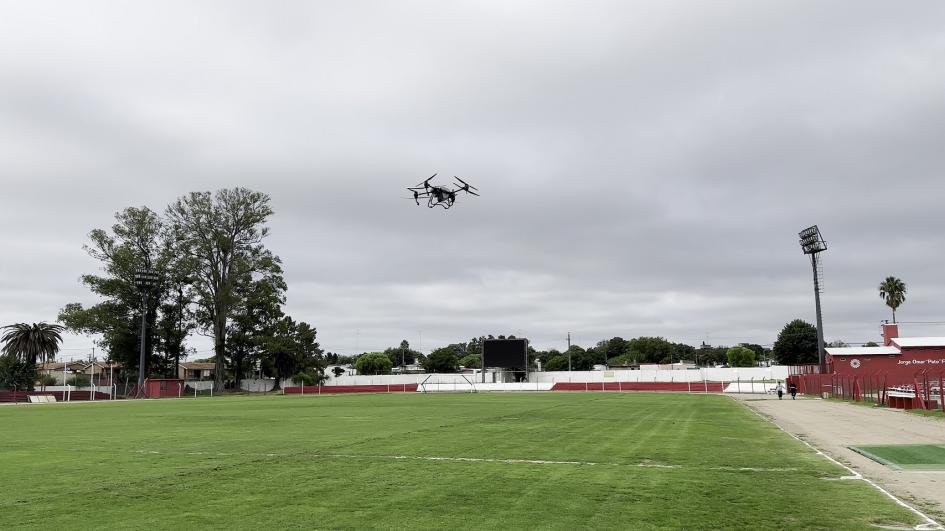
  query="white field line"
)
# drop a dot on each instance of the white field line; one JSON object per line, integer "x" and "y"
{"x": 929, "y": 524}
{"x": 483, "y": 460}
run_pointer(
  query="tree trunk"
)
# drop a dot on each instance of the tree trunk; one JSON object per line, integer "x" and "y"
{"x": 219, "y": 339}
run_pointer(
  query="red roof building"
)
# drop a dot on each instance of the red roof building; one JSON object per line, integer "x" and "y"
{"x": 901, "y": 360}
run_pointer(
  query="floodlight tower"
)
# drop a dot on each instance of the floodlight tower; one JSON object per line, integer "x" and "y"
{"x": 813, "y": 244}
{"x": 145, "y": 280}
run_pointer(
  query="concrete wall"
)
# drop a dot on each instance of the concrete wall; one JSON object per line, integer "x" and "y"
{"x": 680, "y": 375}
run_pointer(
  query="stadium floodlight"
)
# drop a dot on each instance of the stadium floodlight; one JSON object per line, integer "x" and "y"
{"x": 812, "y": 243}
{"x": 811, "y": 240}
{"x": 146, "y": 280}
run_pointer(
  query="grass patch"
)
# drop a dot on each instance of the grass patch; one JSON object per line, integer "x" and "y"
{"x": 513, "y": 461}
{"x": 906, "y": 456}
{"x": 931, "y": 413}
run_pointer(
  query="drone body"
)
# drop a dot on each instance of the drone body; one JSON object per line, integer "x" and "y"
{"x": 440, "y": 196}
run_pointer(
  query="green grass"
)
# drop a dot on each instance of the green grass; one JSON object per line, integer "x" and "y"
{"x": 906, "y": 456}
{"x": 931, "y": 413}
{"x": 635, "y": 461}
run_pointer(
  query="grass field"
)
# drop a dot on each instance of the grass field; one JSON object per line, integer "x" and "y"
{"x": 541, "y": 460}
{"x": 906, "y": 456}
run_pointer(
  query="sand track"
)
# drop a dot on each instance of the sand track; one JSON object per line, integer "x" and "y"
{"x": 833, "y": 426}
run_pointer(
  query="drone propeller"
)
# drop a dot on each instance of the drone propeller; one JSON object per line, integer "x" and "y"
{"x": 467, "y": 186}
{"x": 426, "y": 183}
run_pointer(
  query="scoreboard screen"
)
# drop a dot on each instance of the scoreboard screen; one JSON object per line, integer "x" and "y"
{"x": 505, "y": 353}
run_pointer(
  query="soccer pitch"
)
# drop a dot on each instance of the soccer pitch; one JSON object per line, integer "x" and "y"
{"x": 539, "y": 460}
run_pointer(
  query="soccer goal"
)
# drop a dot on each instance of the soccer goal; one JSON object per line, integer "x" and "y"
{"x": 446, "y": 383}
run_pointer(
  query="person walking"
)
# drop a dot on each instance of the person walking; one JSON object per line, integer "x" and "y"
{"x": 793, "y": 390}
{"x": 780, "y": 390}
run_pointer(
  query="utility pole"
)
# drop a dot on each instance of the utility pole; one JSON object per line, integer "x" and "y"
{"x": 569, "y": 351}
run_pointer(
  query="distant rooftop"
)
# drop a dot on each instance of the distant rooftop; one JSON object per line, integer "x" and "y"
{"x": 862, "y": 351}
{"x": 915, "y": 342}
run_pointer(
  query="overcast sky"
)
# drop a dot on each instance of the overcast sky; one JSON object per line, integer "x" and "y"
{"x": 644, "y": 166}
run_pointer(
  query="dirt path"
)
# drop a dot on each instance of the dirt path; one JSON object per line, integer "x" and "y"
{"x": 832, "y": 426}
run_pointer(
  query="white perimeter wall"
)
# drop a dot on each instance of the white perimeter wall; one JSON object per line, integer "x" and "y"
{"x": 746, "y": 374}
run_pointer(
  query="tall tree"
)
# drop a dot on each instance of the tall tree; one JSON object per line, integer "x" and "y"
{"x": 256, "y": 314}
{"x": 402, "y": 355}
{"x": 138, "y": 239}
{"x": 371, "y": 363}
{"x": 442, "y": 360}
{"x": 29, "y": 343}
{"x": 893, "y": 290}
{"x": 291, "y": 349}
{"x": 222, "y": 235}
{"x": 740, "y": 357}
{"x": 796, "y": 344}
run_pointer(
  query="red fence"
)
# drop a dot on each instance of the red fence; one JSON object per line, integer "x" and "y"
{"x": 336, "y": 389}
{"x": 691, "y": 387}
{"x": 927, "y": 389}
{"x": 23, "y": 396}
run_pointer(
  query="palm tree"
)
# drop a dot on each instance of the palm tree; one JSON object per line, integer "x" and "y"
{"x": 894, "y": 291}
{"x": 29, "y": 343}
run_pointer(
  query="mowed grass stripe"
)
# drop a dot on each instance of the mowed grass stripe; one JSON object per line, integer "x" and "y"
{"x": 96, "y": 460}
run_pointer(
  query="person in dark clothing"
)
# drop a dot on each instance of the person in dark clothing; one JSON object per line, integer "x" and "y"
{"x": 793, "y": 390}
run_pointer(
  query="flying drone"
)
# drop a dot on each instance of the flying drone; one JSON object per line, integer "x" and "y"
{"x": 440, "y": 195}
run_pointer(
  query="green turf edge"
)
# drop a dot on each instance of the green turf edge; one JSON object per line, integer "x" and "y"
{"x": 875, "y": 457}
{"x": 898, "y": 466}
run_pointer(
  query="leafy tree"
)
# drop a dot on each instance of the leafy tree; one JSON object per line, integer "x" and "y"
{"x": 556, "y": 363}
{"x": 612, "y": 348}
{"x": 402, "y": 355}
{"x": 893, "y": 290}
{"x": 291, "y": 349}
{"x": 137, "y": 240}
{"x": 682, "y": 351}
{"x": 79, "y": 380}
{"x": 309, "y": 378}
{"x": 221, "y": 236}
{"x": 442, "y": 360}
{"x": 870, "y": 344}
{"x": 373, "y": 363}
{"x": 581, "y": 359}
{"x": 255, "y": 318}
{"x": 625, "y": 359}
{"x": 650, "y": 350}
{"x": 740, "y": 357}
{"x": 31, "y": 343}
{"x": 796, "y": 344}
{"x": 337, "y": 371}
{"x": 471, "y": 361}
{"x": 760, "y": 352}
{"x": 708, "y": 356}
{"x": 545, "y": 355}
{"x": 16, "y": 373}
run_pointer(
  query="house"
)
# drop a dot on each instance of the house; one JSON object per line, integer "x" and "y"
{"x": 61, "y": 371}
{"x": 195, "y": 371}
{"x": 99, "y": 372}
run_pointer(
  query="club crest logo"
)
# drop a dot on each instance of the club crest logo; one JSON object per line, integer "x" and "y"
{"x": 855, "y": 363}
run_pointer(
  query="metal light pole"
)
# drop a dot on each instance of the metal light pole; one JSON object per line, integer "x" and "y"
{"x": 813, "y": 243}
{"x": 145, "y": 281}
{"x": 569, "y": 351}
